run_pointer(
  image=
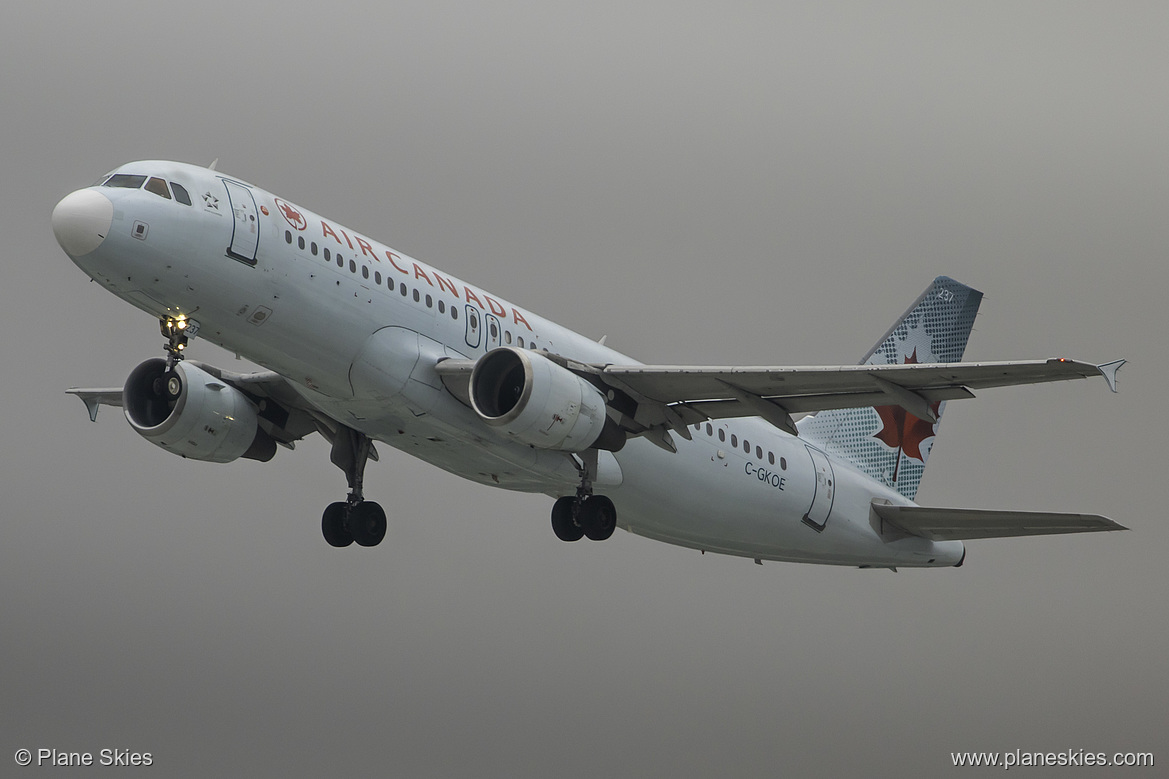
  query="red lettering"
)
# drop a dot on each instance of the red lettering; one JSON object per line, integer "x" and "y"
{"x": 326, "y": 230}
{"x": 495, "y": 307}
{"x": 472, "y": 296}
{"x": 342, "y": 229}
{"x": 519, "y": 319}
{"x": 444, "y": 284}
{"x": 366, "y": 248}
{"x": 390, "y": 256}
{"x": 421, "y": 274}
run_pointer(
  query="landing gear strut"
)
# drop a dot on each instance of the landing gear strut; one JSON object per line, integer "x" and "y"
{"x": 584, "y": 514}
{"x": 356, "y": 519}
{"x": 177, "y": 331}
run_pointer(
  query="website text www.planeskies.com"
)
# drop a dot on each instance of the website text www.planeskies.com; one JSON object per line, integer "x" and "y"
{"x": 1068, "y": 757}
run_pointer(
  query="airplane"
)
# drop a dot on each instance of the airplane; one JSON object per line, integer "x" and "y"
{"x": 362, "y": 344}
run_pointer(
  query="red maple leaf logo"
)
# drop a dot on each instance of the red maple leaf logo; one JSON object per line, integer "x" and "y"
{"x": 903, "y": 431}
{"x": 291, "y": 215}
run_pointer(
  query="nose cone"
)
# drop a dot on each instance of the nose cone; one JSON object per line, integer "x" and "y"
{"x": 81, "y": 221}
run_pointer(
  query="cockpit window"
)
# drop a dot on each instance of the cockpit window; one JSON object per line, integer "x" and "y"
{"x": 181, "y": 194}
{"x": 125, "y": 180}
{"x": 102, "y": 180}
{"x": 158, "y": 187}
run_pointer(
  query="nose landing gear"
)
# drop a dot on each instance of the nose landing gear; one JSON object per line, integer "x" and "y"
{"x": 355, "y": 519}
{"x": 177, "y": 331}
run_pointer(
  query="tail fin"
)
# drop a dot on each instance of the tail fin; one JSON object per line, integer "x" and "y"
{"x": 886, "y": 442}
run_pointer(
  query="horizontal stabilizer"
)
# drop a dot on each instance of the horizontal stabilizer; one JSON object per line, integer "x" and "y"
{"x": 942, "y": 524}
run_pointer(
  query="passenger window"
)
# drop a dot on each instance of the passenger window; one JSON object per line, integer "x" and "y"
{"x": 722, "y": 435}
{"x": 771, "y": 458}
{"x": 758, "y": 452}
{"x": 352, "y": 266}
{"x": 328, "y": 254}
{"x": 288, "y": 237}
{"x": 313, "y": 248}
{"x": 340, "y": 261}
{"x": 709, "y": 429}
{"x": 181, "y": 193}
{"x": 377, "y": 278}
{"x": 429, "y": 302}
{"x": 417, "y": 297}
{"x": 125, "y": 181}
{"x": 441, "y": 307}
{"x": 519, "y": 341}
{"x": 734, "y": 441}
{"x": 746, "y": 446}
{"x": 403, "y": 290}
{"x": 300, "y": 242}
{"x": 454, "y": 313}
{"x": 365, "y": 271}
{"x": 783, "y": 463}
{"x": 158, "y": 187}
{"x": 494, "y": 330}
{"x": 507, "y": 337}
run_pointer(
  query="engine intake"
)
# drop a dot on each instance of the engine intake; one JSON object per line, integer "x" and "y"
{"x": 539, "y": 403}
{"x": 188, "y": 411}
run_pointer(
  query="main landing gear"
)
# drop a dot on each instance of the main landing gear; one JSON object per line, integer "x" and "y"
{"x": 356, "y": 519}
{"x": 584, "y": 514}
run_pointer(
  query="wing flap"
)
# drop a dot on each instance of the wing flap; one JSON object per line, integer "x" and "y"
{"x": 949, "y": 524}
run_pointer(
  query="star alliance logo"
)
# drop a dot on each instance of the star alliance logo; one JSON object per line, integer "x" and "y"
{"x": 211, "y": 201}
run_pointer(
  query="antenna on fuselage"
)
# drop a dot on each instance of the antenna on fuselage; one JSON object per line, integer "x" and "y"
{"x": 214, "y": 162}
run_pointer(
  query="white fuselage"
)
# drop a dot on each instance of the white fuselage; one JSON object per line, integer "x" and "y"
{"x": 357, "y": 329}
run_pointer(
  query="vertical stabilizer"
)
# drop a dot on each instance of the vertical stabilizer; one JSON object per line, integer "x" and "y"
{"x": 887, "y": 442}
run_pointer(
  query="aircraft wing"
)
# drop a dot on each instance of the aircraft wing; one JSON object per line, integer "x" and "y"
{"x": 283, "y": 413}
{"x": 697, "y": 393}
{"x": 658, "y": 398}
{"x": 943, "y": 524}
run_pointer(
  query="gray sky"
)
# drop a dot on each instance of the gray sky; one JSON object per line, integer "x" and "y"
{"x": 765, "y": 183}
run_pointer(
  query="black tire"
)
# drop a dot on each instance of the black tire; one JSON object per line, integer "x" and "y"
{"x": 562, "y": 523}
{"x": 598, "y": 517}
{"x": 367, "y": 523}
{"x": 333, "y": 526}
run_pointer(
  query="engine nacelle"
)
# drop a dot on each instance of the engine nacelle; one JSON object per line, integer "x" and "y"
{"x": 188, "y": 411}
{"x": 537, "y": 402}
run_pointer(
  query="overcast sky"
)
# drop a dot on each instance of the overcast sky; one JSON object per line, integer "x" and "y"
{"x": 732, "y": 183}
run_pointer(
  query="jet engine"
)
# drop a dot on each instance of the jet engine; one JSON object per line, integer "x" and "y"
{"x": 188, "y": 411}
{"x": 537, "y": 402}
